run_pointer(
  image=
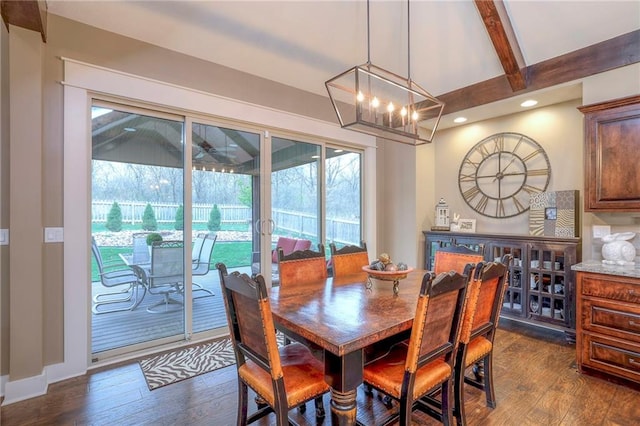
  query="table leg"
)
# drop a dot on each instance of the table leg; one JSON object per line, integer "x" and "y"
{"x": 344, "y": 375}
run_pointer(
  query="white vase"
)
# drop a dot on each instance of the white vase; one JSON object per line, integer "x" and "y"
{"x": 617, "y": 250}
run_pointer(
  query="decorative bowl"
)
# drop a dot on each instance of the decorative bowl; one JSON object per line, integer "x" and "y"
{"x": 394, "y": 276}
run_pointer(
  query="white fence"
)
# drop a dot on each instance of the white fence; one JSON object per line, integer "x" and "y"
{"x": 338, "y": 230}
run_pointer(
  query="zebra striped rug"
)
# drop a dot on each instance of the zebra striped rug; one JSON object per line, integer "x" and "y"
{"x": 172, "y": 367}
{"x": 175, "y": 366}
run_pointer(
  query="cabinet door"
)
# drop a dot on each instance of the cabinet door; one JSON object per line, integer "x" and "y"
{"x": 550, "y": 285}
{"x": 432, "y": 243}
{"x": 612, "y": 155}
{"x": 514, "y": 296}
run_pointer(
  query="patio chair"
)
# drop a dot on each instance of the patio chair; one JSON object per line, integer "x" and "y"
{"x": 165, "y": 275}
{"x": 115, "y": 275}
{"x": 141, "y": 254}
{"x": 201, "y": 260}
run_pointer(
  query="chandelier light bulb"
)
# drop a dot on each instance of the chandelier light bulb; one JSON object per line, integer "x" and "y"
{"x": 390, "y": 107}
{"x": 375, "y": 102}
{"x": 415, "y": 116}
{"x": 360, "y": 96}
{"x": 403, "y": 112}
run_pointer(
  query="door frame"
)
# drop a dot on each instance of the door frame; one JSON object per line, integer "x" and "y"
{"x": 81, "y": 80}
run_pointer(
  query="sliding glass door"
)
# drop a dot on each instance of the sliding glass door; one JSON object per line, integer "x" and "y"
{"x": 343, "y": 183}
{"x": 137, "y": 285}
{"x": 224, "y": 183}
{"x": 158, "y": 232}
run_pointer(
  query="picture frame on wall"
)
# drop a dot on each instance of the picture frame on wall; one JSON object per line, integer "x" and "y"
{"x": 467, "y": 225}
{"x": 554, "y": 213}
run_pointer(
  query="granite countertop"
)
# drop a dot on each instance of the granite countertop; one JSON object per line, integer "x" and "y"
{"x": 598, "y": 267}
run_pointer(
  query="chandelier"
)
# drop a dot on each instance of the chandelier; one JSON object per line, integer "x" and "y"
{"x": 372, "y": 100}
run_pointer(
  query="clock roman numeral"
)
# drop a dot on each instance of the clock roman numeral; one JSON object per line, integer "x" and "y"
{"x": 518, "y": 205}
{"x": 531, "y": 155}
{"x": 499, "y": 142}
{"x": 483, "y": 151}
{"x": 471, "y": 193}
{"x": 471, "y": 163}
{"x": 538, "y": 172}
{"x": 530, "y": 189}
{"x": 467, "y": 178}
{"x": 481, "y": 205}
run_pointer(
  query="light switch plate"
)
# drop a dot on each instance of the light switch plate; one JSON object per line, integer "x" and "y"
{"x": 53, "y": 235}
{"x": 4, "y": 237}
{"x": 600, "y": 231}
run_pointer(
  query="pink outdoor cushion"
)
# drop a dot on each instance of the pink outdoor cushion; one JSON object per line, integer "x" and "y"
{"x": 302, "y": 245}
{"x": 286, "y": 244}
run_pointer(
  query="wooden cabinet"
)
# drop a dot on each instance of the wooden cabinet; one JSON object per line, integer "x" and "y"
{"x": 541, "y": 284}
{"x": 608, "y": 328}
{"x": 612, "y": 155}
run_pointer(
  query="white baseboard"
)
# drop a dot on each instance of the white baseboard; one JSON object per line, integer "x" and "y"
{"x": 19, "y": 390}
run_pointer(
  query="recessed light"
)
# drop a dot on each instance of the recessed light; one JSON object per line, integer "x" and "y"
{"x": 129, "y": 129}
{"x": 460, "y": 120}
{"x": 529, "y": 103}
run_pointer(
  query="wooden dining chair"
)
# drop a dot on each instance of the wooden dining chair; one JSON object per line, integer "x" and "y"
{"x": 349, "y": 259}
{"x": 425, "y": 362}
{"x": 455, "y": 258}
{"x": 478, "y": 331}
{"x": 302, "y": 266}
{"x": 283, "y": 377}
{"x": 297, "y": 268}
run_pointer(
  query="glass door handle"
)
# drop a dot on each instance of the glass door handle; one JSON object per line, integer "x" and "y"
{"x": 258, "y": 226}
{"x": 272, "y": 226}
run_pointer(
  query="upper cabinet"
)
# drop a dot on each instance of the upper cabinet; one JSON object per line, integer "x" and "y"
{"x": 612, "y": 155}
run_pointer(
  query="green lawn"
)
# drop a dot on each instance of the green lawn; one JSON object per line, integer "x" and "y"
{"x": 99, "y": 227}
{"x": 232, "y": 254}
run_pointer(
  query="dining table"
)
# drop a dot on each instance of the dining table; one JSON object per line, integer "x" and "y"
{"x": 341, "y": 317}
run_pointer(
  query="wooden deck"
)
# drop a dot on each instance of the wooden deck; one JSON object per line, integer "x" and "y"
{"x": 119, "y": 329}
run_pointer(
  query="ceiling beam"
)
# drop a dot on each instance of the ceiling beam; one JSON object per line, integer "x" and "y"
{"x": 601, "y": 57}
{"x": 28, "y": 14}
{"x": 496, "y": 21}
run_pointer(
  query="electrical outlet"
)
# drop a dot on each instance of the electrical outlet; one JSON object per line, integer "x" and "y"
{"x": 600, "y": 231}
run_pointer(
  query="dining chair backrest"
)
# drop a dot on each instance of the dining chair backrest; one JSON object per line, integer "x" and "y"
{"x": 436, "y": 326}
{"x": 249, "y": 318}
{"x": 167, "y": 263}
{"x": 455, "y": 258}
{"x": 478, "y": 331}
{"x": 202, "y": 263}
{"x": 302, "y": 266}
{"x": 493, "y": 283}
{"x": 349, "y": 259}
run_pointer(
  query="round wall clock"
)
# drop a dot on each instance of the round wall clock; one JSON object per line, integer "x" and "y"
{"x": 501, "y": 172}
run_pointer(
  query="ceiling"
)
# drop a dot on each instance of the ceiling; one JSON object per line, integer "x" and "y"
{"x": 304, "y": 43}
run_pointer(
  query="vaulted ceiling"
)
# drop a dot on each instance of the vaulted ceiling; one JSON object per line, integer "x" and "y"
{"x": 468, "y": 53}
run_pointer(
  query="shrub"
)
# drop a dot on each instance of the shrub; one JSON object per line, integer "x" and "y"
{"x": 153, "y": 237}
{"x": 149, "y": 222}
{"x": 214, "y": 219}
{"x": 114, "y": 218}
{"x": 179, "y": 225}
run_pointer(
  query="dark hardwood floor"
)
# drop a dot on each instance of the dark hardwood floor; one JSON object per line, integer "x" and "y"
{"x": 536, "y": 384}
